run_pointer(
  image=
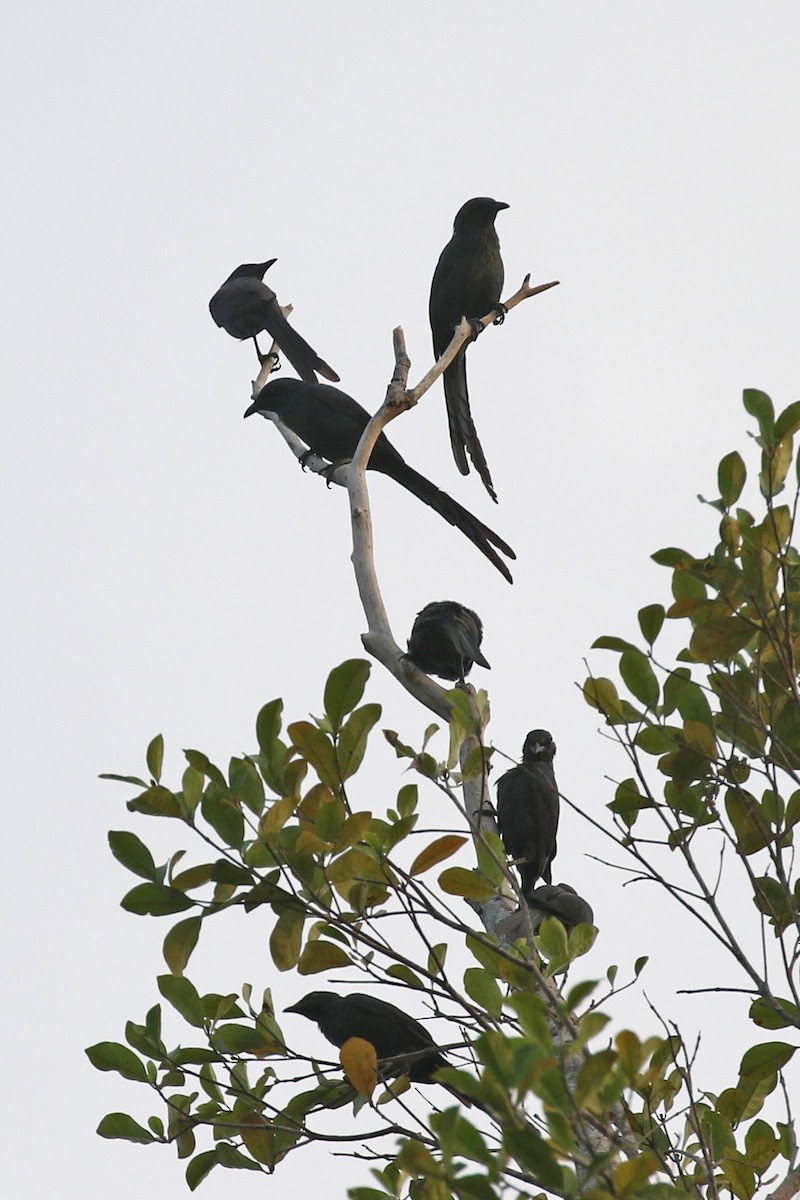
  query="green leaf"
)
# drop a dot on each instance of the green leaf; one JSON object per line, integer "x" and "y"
{"x": 199, "y": 1167}
{"x": 788, "y": 422}
{"x": 533, "y": 1154}
{"x": 268, "y": 726}
{"x": 482, "y": 987}
{"x": 766, "y": 1058}
{"x": 155, "y": 756}
{"x": 202, "y": 763}
{"x": 759, "y": 405}
{"x": 601, "y": 694}
{"x": 239, "y": 1039}
{"x": 286, "y": 939}
{"x": 405, "y": 974}
{"x": 180, "y": 942}
{"x": 639, "y": 677}
{"x": 246, "y": 784}
{"x": 344, "y": 689}
{"x": 744, "y": 812}
{"x": 183, "y": 997}
{"x": 317, "y": 749}
{"x": 111, "y": 1056}
{"x": 458, "y": 881}
{"x": 656, "y": 739}
{"x": 739, "y": 1175}
{"x": 353, "y": 738}
{"x": 134, "y": 779}
{"x": 612, "y": 643}
{"x": 155, "y": 900}
{"x": 720, "y": 638}
{"x": 670, "y": 556}
{"x": 322, "y": 956}
{"x": 764, "y": 1015}
{"x": 156, "y": 801}
{"x": 224, "y": 817}
{"x": 731, "y": 477}
{"x": 132, "y": 853}
{"x": 120, "y": 1125}
{"x": 651, "y": 618}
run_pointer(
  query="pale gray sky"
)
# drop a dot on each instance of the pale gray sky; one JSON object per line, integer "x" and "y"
{"x": 170, "y": 569}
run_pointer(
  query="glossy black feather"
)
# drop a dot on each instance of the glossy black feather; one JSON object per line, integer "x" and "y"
{"x": 528, "y": 809}
{"x": 244, "y": 307}
{"x": 467, "y": 282}
{"x": 446, "y": 639}
{"x": 331, "y": 423}
{"x": 394, "y": 1034}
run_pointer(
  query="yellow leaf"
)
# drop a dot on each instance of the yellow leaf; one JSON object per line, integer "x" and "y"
{"x": 360, "y": 1063}
{"x": 276, "y": 817}
{"x": 258, "y": 1138}
{"x": 436, "y": 852}
{"x": 322, "y": 956}
{"x": 700, "y": 736}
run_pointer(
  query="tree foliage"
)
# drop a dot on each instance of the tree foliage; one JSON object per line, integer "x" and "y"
{"x": 345, "y": 882}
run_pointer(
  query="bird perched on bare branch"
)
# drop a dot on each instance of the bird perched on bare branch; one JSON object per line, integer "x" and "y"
{"x": 467, "y": 282}
{"x": 331, "y": 423}
{"x": 244, "y": 306}
{"x": 528, "y": 808}
{"x": 446, "y": 639}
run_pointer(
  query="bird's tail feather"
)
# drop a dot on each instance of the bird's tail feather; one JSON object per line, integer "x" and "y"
{"x": 463, "y": 434}
{"x": 303, "y": 357}
{"x": 479, "y": 534}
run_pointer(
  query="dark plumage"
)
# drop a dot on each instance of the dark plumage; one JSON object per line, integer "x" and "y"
{"x": 445, "y": 640}
{"x": 527, "y": 810}
{"x": 330, "y": 423}
{"x": 550, "y": 900}
{"x": 244, "y": 306}
{"x": 467, "y": 282}
{"x": 397, "y": 1037}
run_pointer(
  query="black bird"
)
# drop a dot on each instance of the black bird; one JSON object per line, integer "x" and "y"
{"x": 330, "y": 423}
{"x": 527, "y": 810}
{"x": 467, "y": 282}
{"x": 244, "y": 306}
{"x": 402, "y": 1045}
{"x": 394, "y": 1034}
{"x": 446, "y": 639}
{"x": 551, "y": 900}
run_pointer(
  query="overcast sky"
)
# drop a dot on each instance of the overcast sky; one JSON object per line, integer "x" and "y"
{"x": 169, "y": 569}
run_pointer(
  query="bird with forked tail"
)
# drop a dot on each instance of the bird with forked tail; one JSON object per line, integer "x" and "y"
{"x": 467, "y": 283}
{"x": 244, "y": 307}
{"x": 331, "y": 424}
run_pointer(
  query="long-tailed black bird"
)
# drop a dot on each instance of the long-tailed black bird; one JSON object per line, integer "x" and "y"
{"x": 330, "y": 423}
{"x": 467, "y": 282}
{"x": 528, "y": 808}
{"x": 550, "y": 900}
{"x": 446, "y": 640}
{"x": 244, "y": 306}
{"x": 402, "y": 1045}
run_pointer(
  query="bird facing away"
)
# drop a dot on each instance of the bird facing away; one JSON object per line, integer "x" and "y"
{"x": 527, "y": 810}
{"x": 550, "y": 900}
{"x": 446, "y": 639}
{"x": 467, "y": 282}
{"x": 394, "y": 1034}
{"x": 244, "y": 306}
{"x": 331, "y": 423}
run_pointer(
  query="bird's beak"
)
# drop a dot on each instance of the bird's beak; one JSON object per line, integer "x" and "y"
{"x": 500, "y": 204}
{"x": 269, "y": 263}
{"x": 252, "y": 409}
